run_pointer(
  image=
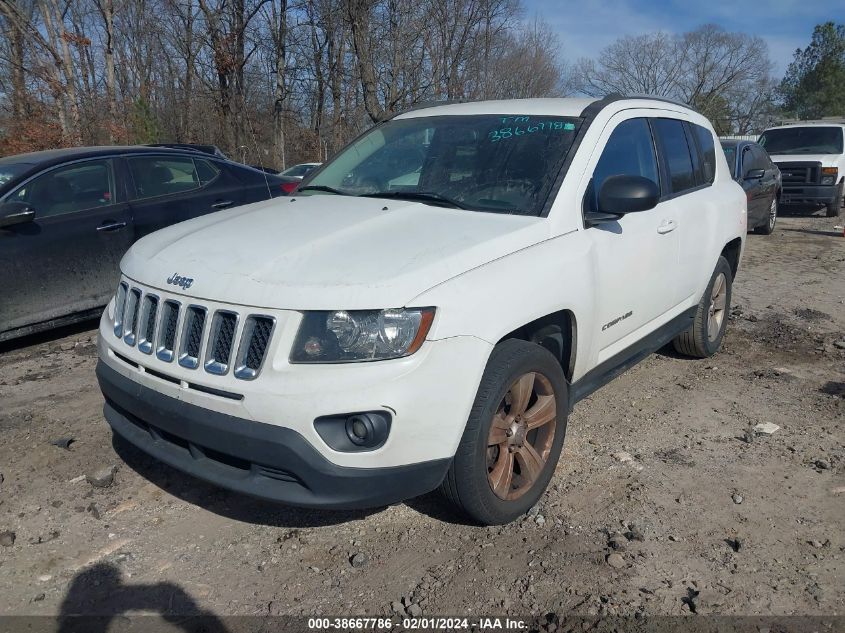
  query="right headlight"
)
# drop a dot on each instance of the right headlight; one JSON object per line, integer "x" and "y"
{"x": 349, "y": 336}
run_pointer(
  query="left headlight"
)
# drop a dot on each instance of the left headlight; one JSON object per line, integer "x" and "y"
{"x": 829, "y": 175}
{"x": 348, "y": 336}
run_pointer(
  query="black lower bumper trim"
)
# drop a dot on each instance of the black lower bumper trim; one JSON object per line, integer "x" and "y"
{"x": 261, "y": 460}
{"x": 818, "y": 194}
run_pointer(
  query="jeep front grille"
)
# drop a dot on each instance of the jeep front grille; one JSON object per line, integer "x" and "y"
{"x": 221, "y": 340}
{"x": 192, "y": 337}
{"x": 254, "y": 344}
{"x": 225, "y": 339}
{"x": 147, "y": 324}
{"x": 119, "y": 307}
{"x": 167, "y": 331}
{"x": 130, "y": 316}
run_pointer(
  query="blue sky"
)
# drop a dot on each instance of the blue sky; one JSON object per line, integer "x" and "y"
{"x": 586, "y": 26}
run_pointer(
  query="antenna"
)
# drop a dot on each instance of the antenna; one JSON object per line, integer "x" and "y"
{"x": 257, "y": 154}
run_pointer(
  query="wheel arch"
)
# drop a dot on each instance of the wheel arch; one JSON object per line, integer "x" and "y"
{"x": 557, "y": 332}
{"x": 732, "y": 252}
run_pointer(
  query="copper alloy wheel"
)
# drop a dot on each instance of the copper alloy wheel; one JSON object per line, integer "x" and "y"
{"x": 718, "y": 301}
{"x": 521, "y": 436}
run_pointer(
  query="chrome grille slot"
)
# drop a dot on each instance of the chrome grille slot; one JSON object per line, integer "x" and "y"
{"x": 130, "y": 316}
{"x": 191, "y": 343}
{"x": 147, "y": 324}
{"x": 119, "y": 307}
{"x": 220, "y": 342}
{"x": 253, "y": 348}
{"x": 167, "y": 331}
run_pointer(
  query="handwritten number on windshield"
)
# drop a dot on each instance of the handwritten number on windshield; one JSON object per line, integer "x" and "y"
{"x": 547, "y": 126}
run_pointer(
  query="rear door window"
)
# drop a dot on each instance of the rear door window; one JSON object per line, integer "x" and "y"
{"x": 69, "y": 189}
{"x": 163, "y": 176}
{"x": 676, "y": 155}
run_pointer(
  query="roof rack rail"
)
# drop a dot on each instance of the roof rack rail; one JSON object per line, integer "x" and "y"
{"x": 429, "y": 104}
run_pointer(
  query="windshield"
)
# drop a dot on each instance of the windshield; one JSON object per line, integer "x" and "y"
{"x": 498, "y": 163}
{"x": 297, "y": 170}
{"x": 11, "y": 170}
{"x": 803, "y": 140}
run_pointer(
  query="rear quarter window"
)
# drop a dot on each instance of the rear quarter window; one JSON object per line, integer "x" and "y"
{"x": 707, "y": 146}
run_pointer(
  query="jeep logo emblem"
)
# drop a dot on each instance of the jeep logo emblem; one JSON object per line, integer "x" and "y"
{"x": 182, "y": 282}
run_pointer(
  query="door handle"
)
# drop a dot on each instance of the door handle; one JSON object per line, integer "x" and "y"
{"x": 222, "y": 204}
{"x": 667, "y": 226}
{"x": 111, "y": 226}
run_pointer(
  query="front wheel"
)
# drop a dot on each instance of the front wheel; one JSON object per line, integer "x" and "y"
{"x": 513, "y": 437}
{"x": 769, "y": 226}
{"x": 704, "y": 337}
{"x": 832, "y": 208}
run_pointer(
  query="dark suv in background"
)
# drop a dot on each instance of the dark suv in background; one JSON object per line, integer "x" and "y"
{"x": 67, "y": 217}
{"x": 752, "y": 168}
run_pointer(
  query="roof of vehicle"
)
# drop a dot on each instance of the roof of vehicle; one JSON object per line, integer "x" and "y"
{"x": 563, "y": 106}
{"x": 198, "y": 147}
{"x": 836, "y": 123}
{"x": 736, "y": 142}
{"x": 72, "y": 153}
{"x": 37, "y": 161}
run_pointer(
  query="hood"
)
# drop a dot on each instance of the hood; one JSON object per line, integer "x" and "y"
{"x": 325, "y": 252}
{"x": 827, "y": 160}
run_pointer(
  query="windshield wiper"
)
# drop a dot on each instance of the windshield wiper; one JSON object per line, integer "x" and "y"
{"x": 416, "y": 195}
{"x": 322, "y": 188}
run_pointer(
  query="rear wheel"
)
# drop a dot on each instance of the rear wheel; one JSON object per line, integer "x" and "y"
{"x": 771, "y": 219}
{"x": 513, "y": 437}
{"x": 704, "y": 337}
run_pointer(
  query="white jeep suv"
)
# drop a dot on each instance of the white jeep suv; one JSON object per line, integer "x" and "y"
{"x": 429, "y": 306}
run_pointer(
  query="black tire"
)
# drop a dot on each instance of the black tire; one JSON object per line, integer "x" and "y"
{"x": 771, "y": 219}
{"x": 699, "y": 341}
{"x": 466, "y": 484}
{"x": 832, "y": 208}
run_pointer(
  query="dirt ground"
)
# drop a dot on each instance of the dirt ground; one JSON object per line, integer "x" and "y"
{"x": 659, "y": 468}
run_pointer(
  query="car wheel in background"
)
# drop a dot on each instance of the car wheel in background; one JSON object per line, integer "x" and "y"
{"x": 513, "y": 437}
{"x": 833, "y": 207}
{"x": 704, "y": 337}
{"x": 769, "y": 226}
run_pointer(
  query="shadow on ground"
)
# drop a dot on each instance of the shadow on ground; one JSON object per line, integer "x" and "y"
{"x": 97, "y": 597}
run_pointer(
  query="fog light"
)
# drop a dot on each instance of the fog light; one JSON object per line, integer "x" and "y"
{"x": 354, "y": 432}
{"x": 359, "y": 428}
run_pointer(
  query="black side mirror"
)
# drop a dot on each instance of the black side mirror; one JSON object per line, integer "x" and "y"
{"x": 12, "y": 213}
{"x": 626, "y": 194}
{"x": 755, "y": 174}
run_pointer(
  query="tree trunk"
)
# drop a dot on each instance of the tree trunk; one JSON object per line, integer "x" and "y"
{"x": 19, "y": 96}
{"x": 280, "y": 89}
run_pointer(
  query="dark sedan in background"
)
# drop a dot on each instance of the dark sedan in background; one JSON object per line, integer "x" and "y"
{"x": 67, "y": 217}
{"x": 760, "y": 177}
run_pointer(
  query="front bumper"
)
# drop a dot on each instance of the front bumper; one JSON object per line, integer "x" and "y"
{"x": 262, "y": 460}
{"x": 809, "y": 194}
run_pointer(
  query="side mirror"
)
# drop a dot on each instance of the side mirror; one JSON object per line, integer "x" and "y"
{"x": 628, "y": 194}
{"x": 12, "y": 213}
{"x": 755, "y": 174}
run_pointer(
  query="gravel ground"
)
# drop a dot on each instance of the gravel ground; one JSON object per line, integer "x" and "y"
{"x": 665, "y": 502}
